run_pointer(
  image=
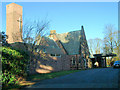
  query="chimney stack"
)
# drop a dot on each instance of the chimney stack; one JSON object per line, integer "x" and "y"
{"x": 53, "y": 35}
{"x": 52, "y": 32}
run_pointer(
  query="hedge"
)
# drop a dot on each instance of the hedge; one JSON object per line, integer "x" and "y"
{"x": 14, "y": 65}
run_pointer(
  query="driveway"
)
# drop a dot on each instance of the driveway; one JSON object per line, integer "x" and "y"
{"x": 93, "y": 78}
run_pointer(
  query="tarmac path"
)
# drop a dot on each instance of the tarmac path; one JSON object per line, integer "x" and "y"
{"x": 93, "y": 78}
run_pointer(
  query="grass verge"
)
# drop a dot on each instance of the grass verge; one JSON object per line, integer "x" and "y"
{"x": 33, "y": 79}
{"x": 37, "y": 77}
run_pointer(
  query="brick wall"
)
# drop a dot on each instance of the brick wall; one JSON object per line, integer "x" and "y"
{"x": 13, "y": 14}
{"x": 47, "y": 63}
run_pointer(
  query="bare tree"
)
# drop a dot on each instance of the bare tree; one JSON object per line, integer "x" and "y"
{"x": 109, "y": 39}
{"x": 106, "y": 49}
{"x": 32, "y": 34}
{"x": 98, "y": 45}
{"x": 95, "y": 45}
{"x": 90, "y": 44}
{"x": 117, "y": 44}
{"x": 33, "y": 31}
{"x": 111, "y": 42}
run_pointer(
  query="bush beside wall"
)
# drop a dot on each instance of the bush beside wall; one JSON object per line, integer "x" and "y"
{"x": 13, "y": 66}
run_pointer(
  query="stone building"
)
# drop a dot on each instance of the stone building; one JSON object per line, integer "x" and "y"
{"x": 56, "y": 52}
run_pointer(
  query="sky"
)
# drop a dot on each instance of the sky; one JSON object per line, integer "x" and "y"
{"x": 70, "y": 16}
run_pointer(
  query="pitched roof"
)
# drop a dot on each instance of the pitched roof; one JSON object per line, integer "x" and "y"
{"x": 50, "y": 46}
{"x": 70, "y": 41}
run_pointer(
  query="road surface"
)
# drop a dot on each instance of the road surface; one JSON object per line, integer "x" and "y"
{"x": 93, "y": 78}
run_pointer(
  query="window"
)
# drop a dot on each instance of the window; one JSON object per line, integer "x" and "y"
{"x": 55, "y": 55}
{"x": 73, "y": 61}
{"x": 79, "y": 61}
{"x": 58, "y": 55}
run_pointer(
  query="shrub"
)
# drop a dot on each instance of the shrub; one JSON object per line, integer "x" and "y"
{"x": 13, "y": 65}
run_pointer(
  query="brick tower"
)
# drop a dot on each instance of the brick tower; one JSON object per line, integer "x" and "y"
{"x": 14, "y": 22}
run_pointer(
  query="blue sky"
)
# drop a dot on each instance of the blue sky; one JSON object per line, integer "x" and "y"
{"x": 69, "y": 16}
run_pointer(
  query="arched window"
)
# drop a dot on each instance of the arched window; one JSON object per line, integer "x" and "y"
{"x": 73, "y": 61}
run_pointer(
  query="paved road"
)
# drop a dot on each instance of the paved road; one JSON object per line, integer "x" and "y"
{"x": 94, "y": 78}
